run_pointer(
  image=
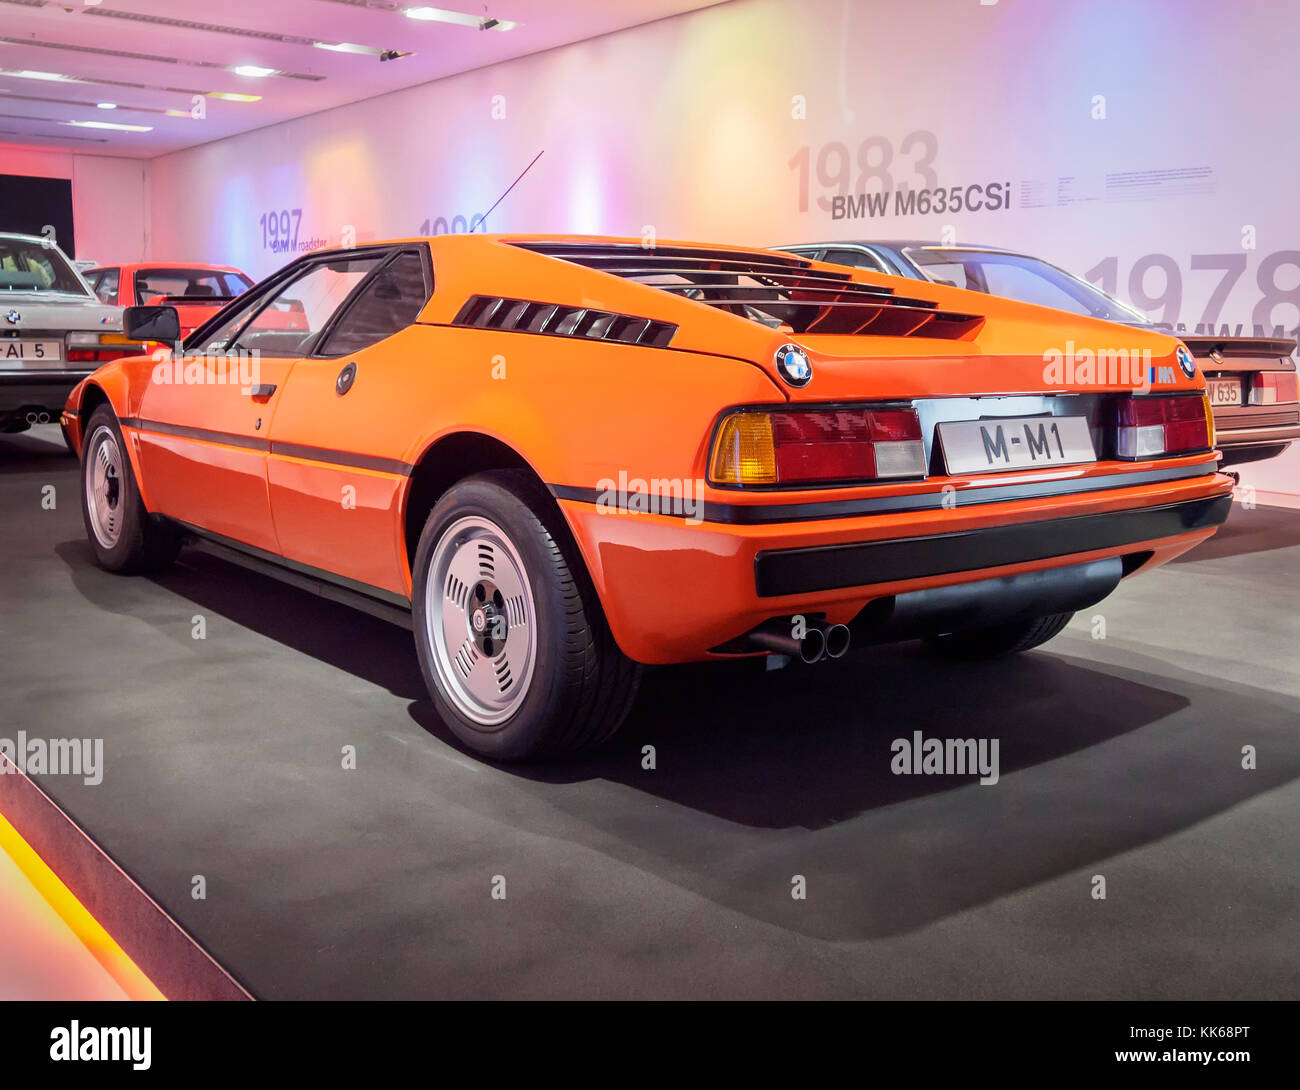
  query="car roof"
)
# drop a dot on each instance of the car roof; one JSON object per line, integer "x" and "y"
{"x": 194, "y": 265}
{"x": 905, "y": 244}
{"x": 27, "y": 238}
{"x": 576, "y": 240}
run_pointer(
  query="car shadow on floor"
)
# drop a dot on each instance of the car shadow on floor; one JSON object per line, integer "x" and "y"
{"x": 338, "y": 635}
{"x": 761, "y": 776}
{"x": 36, "y": 451}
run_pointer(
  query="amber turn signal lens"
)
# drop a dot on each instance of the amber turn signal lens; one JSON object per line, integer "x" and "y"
{"x": 1209, "y": 419}
{"x": 744, "y": 452}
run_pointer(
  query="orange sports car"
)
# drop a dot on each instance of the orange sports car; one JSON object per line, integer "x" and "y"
{"x": 560, "y": 458}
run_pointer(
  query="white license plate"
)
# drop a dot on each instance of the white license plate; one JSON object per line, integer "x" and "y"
{"x": 31, "y": 351}
{"x": 1223, "y": 391}
{"x": 1019, "y": 442}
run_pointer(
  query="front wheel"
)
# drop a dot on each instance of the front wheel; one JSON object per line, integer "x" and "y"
{"x": 998, "y": 640}
{"x": 512, "y": 641}
{"x": 123, "y": 536}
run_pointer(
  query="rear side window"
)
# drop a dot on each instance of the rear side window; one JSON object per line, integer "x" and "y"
{"x": 236, "y": 284}
{"x": 388, "y": 304}
{"x": 178, "y": 283}
{"x": 105, "y": 282}
{"x": 858, "y": 259}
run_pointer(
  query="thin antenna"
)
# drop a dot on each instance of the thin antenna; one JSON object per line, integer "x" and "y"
{"x": 483, "y": 218}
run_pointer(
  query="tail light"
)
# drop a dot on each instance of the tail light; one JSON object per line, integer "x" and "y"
{"x": 817, "y": 446}
{"x": 100, "y": 347}
{"x": 1273, "y": 387}
{"x": 1150, "y": 426}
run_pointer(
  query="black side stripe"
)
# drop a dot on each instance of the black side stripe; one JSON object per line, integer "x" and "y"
{"x": 287, "y": 450}
{"x": 340, "y": 458}
{"x": 757, "y": 514}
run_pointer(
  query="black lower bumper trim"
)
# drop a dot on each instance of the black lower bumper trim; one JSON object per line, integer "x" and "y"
{"x": 833, "y": 567}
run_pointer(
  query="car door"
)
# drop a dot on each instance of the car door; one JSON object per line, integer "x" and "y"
{"x": 335, "y": 471}
{"x": 205, "y": 418}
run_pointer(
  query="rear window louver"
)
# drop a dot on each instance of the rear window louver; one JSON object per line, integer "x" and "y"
{"x": 770, "y": 288}
{"x": 557, "y": 320}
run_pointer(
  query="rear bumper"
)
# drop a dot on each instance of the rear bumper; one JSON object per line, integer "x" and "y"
{"x": 46, "y": 390}
{"x": 783, "y": 572}
{"x": 675, "y": 591}
{"x": 1256, "y": 425}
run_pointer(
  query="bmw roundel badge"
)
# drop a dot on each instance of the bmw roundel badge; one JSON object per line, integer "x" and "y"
{"x": 1186, "y": 360}
{"x": 793, "y": 365}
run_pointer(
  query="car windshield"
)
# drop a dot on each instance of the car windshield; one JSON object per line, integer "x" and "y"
{"x": 1017, "y": 276}
{"x": 189, "y": 283}
{"x": 28, "y": 265}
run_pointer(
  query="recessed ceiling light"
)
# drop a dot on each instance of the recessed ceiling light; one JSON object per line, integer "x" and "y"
{"x": 52, "y": 77}
{"x": 253, "y": 70}
{"x": 110, "y": 125}
{"x": 348, "y": 47}
{"x": 107, "y": 105}
{"x": 233, "y": 96}
{"x": 459, "y": 18}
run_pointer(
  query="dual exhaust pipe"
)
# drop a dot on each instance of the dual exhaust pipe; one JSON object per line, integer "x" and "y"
{"x": 820, "y": 641}
{"x": 38, "y": 418}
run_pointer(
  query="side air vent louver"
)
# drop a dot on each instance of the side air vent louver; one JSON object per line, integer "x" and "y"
{"x": 775, "y": 289}
{"x": 557, "y": 320}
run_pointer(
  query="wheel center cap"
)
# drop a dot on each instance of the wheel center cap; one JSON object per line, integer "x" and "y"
{"x": 479, "y": 620}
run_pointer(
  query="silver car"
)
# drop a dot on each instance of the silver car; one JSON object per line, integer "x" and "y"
{"x": 54, "y": 331}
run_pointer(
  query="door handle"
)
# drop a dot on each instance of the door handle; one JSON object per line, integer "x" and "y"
{"x": 266, "y": 389}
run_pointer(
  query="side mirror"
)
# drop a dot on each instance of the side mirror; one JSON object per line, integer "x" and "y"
{"x": 152, "y": 324}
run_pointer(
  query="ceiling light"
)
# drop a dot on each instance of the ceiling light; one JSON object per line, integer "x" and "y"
{"x": 348, "y": 47}
{"x": 107, "y": 105}
{"x": 441, "y": 15}
{"x": 53, "y": 77}
{"x": 110, "y": 125}
{"x": 233, "y": 96}
{"x": 178, "y": 113}
{"x": 253, "y": 70}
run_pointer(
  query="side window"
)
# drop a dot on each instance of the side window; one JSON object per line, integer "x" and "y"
{"x": 286, "y": 323}
{"x": 235, "y": 284}
{"x": 104, "y": 282}
{"x": 858, "y": 259}
{"x": 1016, "y": 282}
{"x": 387, "y": 304}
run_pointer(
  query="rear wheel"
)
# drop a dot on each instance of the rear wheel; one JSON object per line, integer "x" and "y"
{"x": 511, "y": 637}
{"x": 998, "y": 640}
{"x": 123, "y": 536}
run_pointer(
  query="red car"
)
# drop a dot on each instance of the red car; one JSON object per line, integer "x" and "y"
{"x": 197, "y": 291}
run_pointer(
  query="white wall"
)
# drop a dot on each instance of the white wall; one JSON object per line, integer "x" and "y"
{"x": 1122, "y": 147}
{"x": 110, "y": 198}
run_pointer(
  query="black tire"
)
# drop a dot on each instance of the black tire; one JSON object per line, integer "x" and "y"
{"x": 142, "y": 543}
{"x": 581, "y": 685}
{"x": 998, "y": 640}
